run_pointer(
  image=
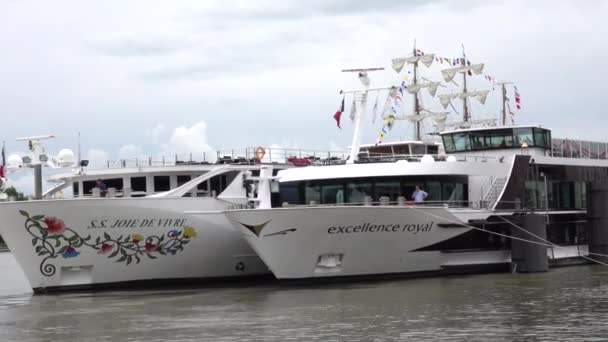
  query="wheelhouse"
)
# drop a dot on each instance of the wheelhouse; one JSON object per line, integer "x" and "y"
{"x": 498, "y": 138}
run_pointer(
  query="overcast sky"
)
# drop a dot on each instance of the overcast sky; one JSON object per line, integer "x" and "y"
{"x": 151, "y": 77}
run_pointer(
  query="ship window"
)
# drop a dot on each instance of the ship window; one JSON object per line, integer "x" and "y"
{"x": 162, "y": 183}
{"x": 357, "y": 191}
{"x": 418, "y": 150}
{"x": 448, "y": 143}
{"x": 461, "y": 142}
{"x": 433, "y": 188}
{"x": 203, "y": 185}
{"x": 87, "y": 187}
{"x": 400, "y": 150}
{"x": 501, "y": 139}
{"x": 312, "y": 192}
{"x": 432, "y": 149}
{"x": 332, "y": 194}
{"x": 75, "y": 188}
{"x": 523, "y": 135}
{"x": 138, "y": 184}
{"x": 183, "y": 179}
{"x": 452, "y": 192}
{"x": 290, "y": 193}
{"x": 389, "y": 189}
{"x": 115, "y": 183}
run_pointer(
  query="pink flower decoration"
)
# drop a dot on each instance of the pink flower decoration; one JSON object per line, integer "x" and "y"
{"x": 54, "y": 225}
{"x": 150, "y": 247}
{"x": 105, "y": 248}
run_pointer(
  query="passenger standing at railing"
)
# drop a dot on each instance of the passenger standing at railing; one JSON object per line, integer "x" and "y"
{"x": 102, "y": 187}
{"x": 419, "y": 195}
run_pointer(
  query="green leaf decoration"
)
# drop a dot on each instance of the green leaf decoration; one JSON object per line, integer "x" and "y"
{"x": 130, "y": 252}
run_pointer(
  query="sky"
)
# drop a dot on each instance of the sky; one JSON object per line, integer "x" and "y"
{"x": 163, "y": 77}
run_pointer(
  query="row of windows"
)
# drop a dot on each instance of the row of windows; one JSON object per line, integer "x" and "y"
{"x": 338, "y": 191}
{"x": 555, "y": 195}
{"x": 496, "y": 139}
{"x": 139, "y": 186}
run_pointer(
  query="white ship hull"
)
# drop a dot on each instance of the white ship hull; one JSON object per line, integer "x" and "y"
{"x": 91, "y": 242}
{"x": 312, "y": 242}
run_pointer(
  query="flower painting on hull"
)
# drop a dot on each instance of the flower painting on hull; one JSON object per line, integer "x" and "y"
{"x": 51, "y": 238}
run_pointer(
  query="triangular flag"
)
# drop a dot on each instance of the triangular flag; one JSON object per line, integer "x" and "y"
{"x": 339, "y": 112}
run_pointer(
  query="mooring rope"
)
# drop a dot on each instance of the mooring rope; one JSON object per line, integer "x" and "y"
{"x": 553, "y": 245}
{"x": 548, "y": 244}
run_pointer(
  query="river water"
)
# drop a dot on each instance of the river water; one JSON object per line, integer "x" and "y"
{"x": 566, "y": 304}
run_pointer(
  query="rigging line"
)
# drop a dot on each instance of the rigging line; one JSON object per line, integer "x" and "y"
{"x": 482, "y": 230}
{"x": 504, "y": 235}
{"x": 554, "y": 244}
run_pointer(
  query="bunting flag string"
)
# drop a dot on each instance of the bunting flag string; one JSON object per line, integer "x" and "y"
{"x": 517, "y": 98}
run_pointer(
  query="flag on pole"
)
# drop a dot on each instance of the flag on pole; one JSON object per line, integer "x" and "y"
{"x": 2, "y": 174}
{"x": 353, "y": 110}
{"x": 339, "y": 112}
{"x": 517, "y": 98}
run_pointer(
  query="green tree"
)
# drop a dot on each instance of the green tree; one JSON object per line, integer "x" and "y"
{"x": 11, "y": 191}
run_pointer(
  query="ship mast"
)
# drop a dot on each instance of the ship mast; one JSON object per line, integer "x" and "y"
{"x": 417, "y": 129}
{"x": 465, "y": 107}
{"x": 505, "y": 99}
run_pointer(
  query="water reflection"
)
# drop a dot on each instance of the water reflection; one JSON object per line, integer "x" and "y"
{"x": 565, "y": 304}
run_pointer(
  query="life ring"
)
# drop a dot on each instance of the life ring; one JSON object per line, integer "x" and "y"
{"x": 260, "y": 152}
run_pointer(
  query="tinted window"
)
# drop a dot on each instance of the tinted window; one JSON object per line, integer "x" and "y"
{"x": 138, "y": 184}
{"x": 75, "y": 188}
{"x": 181, "y": 180}
{"x": 357, "y": 191}
{"x": 332, "y": 194}
{"x": 162, "y": 183}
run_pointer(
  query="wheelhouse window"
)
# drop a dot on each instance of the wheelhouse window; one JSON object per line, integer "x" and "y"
{"x": 498, "y": 138}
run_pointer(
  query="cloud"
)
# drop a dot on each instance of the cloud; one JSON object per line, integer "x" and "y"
{"x": 97, "y": 158}
{"x": 189, "y": 140}
{"x": 130, "y": 151}
{"x": 155, "y": 132}
{"x": 139, "y": 45}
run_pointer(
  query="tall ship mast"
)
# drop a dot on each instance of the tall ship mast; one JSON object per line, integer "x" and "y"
{"x": 466, "y": 68}
{"x": 419, "y": 113}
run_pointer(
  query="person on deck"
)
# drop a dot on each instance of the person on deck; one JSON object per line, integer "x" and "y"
{"x": 102, "y": 187}
{"x": 419, "y": 195}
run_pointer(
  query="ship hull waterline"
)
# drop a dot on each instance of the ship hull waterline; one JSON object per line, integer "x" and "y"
{"x": 359, "y": 241}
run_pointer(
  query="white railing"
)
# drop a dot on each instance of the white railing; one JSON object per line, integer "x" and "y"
{"x": 244, "y": 156}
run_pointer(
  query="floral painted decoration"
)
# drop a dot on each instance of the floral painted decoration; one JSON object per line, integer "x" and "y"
{"x": 52, "y": 238}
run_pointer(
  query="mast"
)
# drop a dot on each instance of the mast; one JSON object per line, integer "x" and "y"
{"x": 360, "y": 96}
{"x": 465, "y": 107}
{"x": 505, "y": 99}
{"x": 504, "y": 104}
{"x": 416, "y": 100}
